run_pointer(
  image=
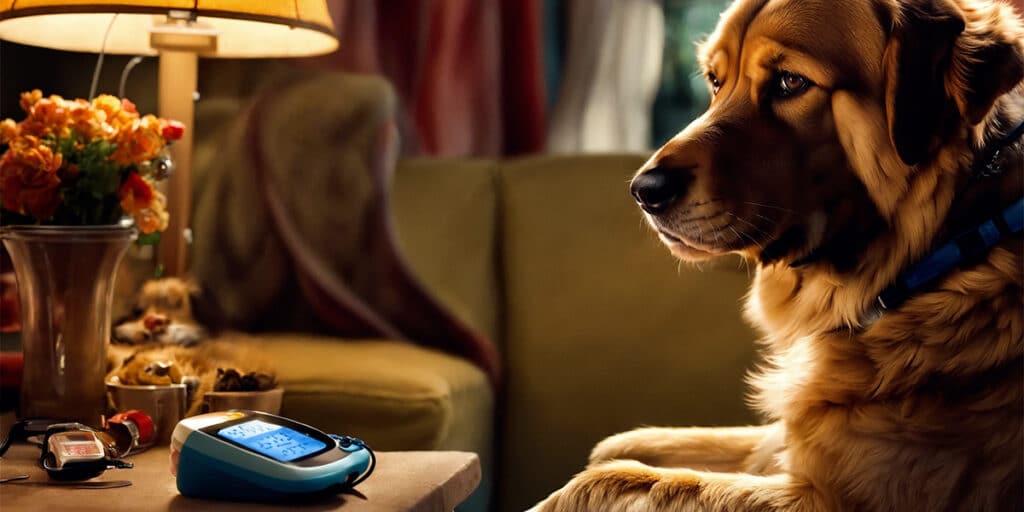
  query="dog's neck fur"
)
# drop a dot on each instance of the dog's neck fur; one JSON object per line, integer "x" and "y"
{"x": 788, "y": 303}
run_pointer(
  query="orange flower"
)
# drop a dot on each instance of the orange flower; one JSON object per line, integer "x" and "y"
{"x": 144, "y": 203}
{"x": 28, "y": 179}
{"x": 51, "y": 111}
{"x": 8, "y": 131}
{"x": 30, "y": 98}
{"x": 120, "y": 116}
{"x": 136, "y": 193}
{"x": 32, "y": 173}
{"x": 84, "y": 121}
{"x": 153, "y": 219}
{"x": 128, "y": 106}
{"x": 140, "y": 143}
{"x": 43, "y": 117}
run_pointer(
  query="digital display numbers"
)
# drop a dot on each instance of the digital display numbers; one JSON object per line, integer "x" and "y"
{"x": 275, "y": 441}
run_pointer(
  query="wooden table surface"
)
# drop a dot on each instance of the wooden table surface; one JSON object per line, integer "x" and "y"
{"x": 413, "y": 481}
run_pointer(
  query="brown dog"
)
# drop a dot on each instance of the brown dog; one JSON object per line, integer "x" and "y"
{"x": 835, "y": 154}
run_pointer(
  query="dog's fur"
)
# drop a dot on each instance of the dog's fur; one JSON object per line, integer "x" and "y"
{"x": 833, "y": 192}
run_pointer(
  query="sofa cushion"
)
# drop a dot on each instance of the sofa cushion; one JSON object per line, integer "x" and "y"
{"x": 394, "y": 395}
{"x": 327, "y": 213}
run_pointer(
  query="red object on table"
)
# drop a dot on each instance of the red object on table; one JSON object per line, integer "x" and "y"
{"x": 10, "y": 369}
{"x": 143, "y": 422}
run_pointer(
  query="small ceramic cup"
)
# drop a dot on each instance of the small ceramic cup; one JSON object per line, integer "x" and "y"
{"x": 264, "y": 401}
{"x": 165, "y": 404}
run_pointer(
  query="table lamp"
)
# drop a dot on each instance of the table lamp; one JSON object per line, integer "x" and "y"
{"x": 179, "y": 31}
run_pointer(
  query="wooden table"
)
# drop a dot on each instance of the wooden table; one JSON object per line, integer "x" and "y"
{"x": 414, "y": 481}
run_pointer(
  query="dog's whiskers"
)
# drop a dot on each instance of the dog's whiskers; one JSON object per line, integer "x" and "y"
{"x": 747, "y": 222}
{"x": 738, "y": 237}
{"x": 787, "y": 210}
{"x": 744, "y": 233}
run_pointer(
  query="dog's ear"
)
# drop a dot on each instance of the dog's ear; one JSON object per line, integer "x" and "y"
{"x": 989, "y": 63}
{"x": 942, "y": 71}
{"x": 917, "y": 59}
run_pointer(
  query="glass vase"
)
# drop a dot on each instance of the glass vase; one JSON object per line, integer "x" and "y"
{"x": 65, "y": 285}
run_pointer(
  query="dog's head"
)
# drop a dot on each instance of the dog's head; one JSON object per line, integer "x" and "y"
{"x": 821, "y": 112}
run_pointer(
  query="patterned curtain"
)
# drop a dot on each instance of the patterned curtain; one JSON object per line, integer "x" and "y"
{"x": 609, "y": 76}
{"x": 625, "y": 71}
{"x": 480, "y": 77}
{"x": 468, "y": 72}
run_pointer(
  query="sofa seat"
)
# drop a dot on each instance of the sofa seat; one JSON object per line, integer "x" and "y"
{"x": 394, "y": 395}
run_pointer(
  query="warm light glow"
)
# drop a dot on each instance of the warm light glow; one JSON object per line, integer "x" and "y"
{"x": 245, "y": 28}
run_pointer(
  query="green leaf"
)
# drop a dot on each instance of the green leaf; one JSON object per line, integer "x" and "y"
{"x": 150, "y": 239}
{"x": 90, "y": 196}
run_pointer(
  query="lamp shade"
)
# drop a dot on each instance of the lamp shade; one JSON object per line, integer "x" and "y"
{"x": 243, "y": 28}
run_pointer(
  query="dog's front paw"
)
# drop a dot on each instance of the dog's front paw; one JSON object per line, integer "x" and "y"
{"x": 651, "y": 445}
{"x": 631, "y": 486}
{"x": 618, "y": 446}
{"x": 622, "y": 485}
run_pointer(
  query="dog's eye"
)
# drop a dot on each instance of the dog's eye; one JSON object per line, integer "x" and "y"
{"x": 715, "y": 84}
{"x": 790, "y": 84}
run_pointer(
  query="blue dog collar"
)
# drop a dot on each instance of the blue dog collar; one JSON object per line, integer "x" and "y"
{"x": 969, "y": 246}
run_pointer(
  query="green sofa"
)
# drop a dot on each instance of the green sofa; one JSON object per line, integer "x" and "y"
{"x": 600, "y": 329}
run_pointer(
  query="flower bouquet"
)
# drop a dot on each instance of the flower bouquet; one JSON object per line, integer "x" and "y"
{"x": 74, "y": 163}
{"x": 76, "y": 187}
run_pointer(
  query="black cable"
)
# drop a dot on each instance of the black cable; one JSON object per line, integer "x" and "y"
{"x": 23, "y": 430}
{"x": 346, "y": 441}
{"x": 373, "y": 462}
{"x": 99, "y": 60}
{"x": 127, "y": 70}
{"x": 17, "y": 432}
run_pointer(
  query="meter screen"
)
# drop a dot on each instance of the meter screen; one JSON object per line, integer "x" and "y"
{"x": 275, "y": 441}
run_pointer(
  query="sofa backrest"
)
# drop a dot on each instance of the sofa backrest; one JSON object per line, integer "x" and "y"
{"x": 601, "y": 329}
{"x": 605, "y": 331}
{"x": 445, "y": 213}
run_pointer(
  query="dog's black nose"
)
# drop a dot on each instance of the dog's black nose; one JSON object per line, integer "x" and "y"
{"x": 656, "y": 189}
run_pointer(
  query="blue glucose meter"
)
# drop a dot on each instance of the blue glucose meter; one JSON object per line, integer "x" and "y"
{"x": 254, "y": 456}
